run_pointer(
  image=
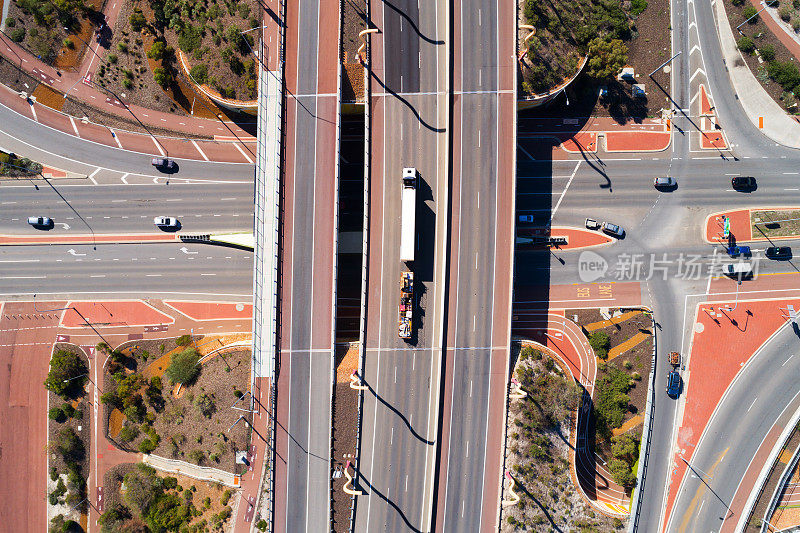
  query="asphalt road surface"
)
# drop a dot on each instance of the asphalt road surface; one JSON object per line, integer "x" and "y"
{"x": 308, "y": 268}
{"x": 409, "y": 129}
{"x": 746, "y": 413}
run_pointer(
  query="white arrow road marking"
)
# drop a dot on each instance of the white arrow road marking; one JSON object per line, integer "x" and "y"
{"x": 186, "y": 250}
{"x": 73, "y": 252}
{"x": 63, "y": 224}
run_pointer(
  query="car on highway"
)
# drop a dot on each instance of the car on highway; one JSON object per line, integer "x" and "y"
{"x": 743, "y": 183}
{"x": 527, "y": 219}
{"x": 778, "y": 252}
{"x": 673, "y": 384}
{"x": 738, "y": 270}
{"x": 665, "y": 182}
{"x": 40, "y": 222}
{"x": 736, "y": 251}
{"x": 613, "y": 230}
{"x": 163, "y": 163}
{"x": 166, "y": 222}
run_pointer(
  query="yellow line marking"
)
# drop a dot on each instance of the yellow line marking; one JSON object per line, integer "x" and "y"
{"x": 701, "y": 490}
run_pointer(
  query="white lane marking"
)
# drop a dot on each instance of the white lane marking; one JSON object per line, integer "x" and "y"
{"x": 123, "y": 178}
{"x": 114, "y": 134}
{"x": 92, "y": 175}
{"x": 790, "y": 357}
{"x": 752, "y": 404}
{"x": 244, "y": 154}
{"x": 564, "y": 192}
{"x": 158, "y": 146}
{"x": 199, "y": 150}
{"x": 74, "y": 127}
{"x": 21, "y": 261}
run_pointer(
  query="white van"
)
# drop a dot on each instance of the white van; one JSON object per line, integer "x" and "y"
{"x": 741, "y": 269}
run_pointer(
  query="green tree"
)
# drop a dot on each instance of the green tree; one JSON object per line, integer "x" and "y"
{"x": 611, "y": 401}
{"x": 168, "y": 513}
{"x": 746, "y": 44}
{"x": 606, "y": 58}
{"x": 621, "y": 472}
{"x": 184, "y": 367}
{"x": 137, "y": 20}
{"x": 600, "y": 342}
{"x": 63, "y": 378}
{"x": 128, "y": 433}
{"x": 156, "y": 52}
{"x": 625, "y": 447}
{"x": 200, "y": 73}
{"x": 162, "y": 77}
{"x": 69, "y": 445}
{"x": 55, "y": 413}
{"x": 142, "y": 488}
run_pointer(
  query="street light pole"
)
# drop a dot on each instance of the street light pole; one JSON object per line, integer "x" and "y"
{"x": 664, "y": 64}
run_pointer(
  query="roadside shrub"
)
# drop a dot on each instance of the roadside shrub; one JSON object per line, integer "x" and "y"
{"x": 122, "y": 47}
{"x": 621, "y": 472}
{"x": 606, "y": 58}
{"x": 748, "y": 12}
{"x": 112, "y": 58}
{"x": 785, "y": 13}
{"x": 261, "y": 525}
{"x": 197, "y": 456}
{"x": 147, "y": 446}
{"x": 156, "y": 52}
{"x": 184, "y": 367}
{"x": 746, "y": 45}
{"x": 205, "y": 404}
{"x": 137, "y": 20}
{"x": 69, "y": 445}
{"x": 10, "y": 22}
{"x": 162, "y": 77}
{"x": 767, "y": 52}
{"x": 244, "y": 10}
{"x": 17, "y": 34}
{"x": 126, "y": 83}
{"x": 796, "y": 25}
{"x": 612, "y": 400}
{"x": 785, "y": 73}
{"x": 189, "y": 39}
{"x": 184, "y": 340}
{"x": 637, "y": 7}
{"x": 600, "y": 342}
{"x": 68, "y": 410}
{"x": 67, "y": 43}
{"x": 64, "y": 368}
{"x": 56, "y": 414}
{"x": 128, "y": 433}
{"x": 199, "y": 73}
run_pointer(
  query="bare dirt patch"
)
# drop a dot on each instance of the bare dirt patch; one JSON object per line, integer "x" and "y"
{"x": 345, "y": 426}
{"x": 354, "y": 20}
{"x": 775, "y": 224}
{"x": 193, "y": 425}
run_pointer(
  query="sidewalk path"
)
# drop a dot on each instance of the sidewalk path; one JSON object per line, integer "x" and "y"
{"x": 759, "y": 107}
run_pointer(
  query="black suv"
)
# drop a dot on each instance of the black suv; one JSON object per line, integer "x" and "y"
{"x": 743, "y": 183}
{"x": 778, "y": 252}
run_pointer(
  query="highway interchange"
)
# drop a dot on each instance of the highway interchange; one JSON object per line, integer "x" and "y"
{"x": 405, "y": 488}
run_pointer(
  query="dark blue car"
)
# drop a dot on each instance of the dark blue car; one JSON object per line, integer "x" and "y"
{"x": 736, "y": 251}
{"x": 673, "y": 384}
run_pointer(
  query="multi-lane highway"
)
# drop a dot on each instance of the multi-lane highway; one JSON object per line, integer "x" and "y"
{"x": 308, "y": 267}
{"x": 409, "y": 116}
{"x": 480, "y": 265}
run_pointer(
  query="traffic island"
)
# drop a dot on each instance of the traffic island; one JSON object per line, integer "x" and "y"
{"x": 742, "y": 327}
{"x": 68, "y": 435}
{"x": 539, "y": 437}
{"x": 560, "y": 238}
{"x": 752, "y": 225}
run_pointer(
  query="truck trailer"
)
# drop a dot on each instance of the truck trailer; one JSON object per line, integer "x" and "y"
{"x": 409, "y": 215}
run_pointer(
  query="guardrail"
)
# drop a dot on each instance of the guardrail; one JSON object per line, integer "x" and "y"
{"x": 362, "y": 330}
{"x": 644, "y": 446}
{"x": 787, "y": 472}
{"x": 266, "y": 256}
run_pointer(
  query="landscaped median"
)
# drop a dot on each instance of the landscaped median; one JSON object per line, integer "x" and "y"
{"x": 748, "y": 225}
{"x": 576, "y": 238}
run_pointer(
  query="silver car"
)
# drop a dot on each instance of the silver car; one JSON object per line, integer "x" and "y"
{"x": 166, "y": 222}
{"x": 40, "y": 221}
{"x": 613, "y": 230}
{"x": 665, "y": 182}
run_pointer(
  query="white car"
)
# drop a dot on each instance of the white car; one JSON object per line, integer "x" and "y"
{"x": 166, "y": 222}
{"x": 40, "y": 221}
